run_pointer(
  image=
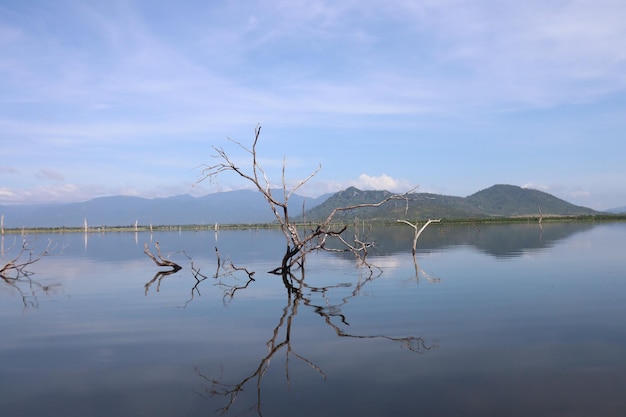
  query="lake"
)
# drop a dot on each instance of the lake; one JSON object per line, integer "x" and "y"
{"x": 499, "y": 320}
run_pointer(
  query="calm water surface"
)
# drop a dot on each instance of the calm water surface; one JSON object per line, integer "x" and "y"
{"x": 511, "y": 320}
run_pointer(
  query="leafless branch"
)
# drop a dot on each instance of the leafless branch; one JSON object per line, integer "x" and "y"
{"x": 418, "y": 232}
{"x": 298, "y": 243}
{"x": 159, "y": 260}
{"x": 416, "y": 236}
{"x": 16, "y": 272}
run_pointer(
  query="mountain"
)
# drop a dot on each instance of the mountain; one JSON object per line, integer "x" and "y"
{"x": 249, "y": 207}
{"x": 496, "y": 201}
{"x": 618, "y": 210}
{"x": 234, "y": 207}
{"x": 510, "y": 200}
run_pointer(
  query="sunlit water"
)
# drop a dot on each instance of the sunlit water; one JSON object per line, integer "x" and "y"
{"x": 499, "y": 320}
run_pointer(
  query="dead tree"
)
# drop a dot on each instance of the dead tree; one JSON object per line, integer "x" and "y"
{"x": 17, "y": 267}
{"x": 418, "y": 232}
{"x": 16, "y": 272}
{"x": 298, "y": 243}
{"x": 159, "y": 260}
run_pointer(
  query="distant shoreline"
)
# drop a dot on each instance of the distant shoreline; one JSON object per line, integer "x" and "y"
{"x": 374, "y": 222}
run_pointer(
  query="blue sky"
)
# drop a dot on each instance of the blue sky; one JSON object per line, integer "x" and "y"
{"x": 128, "y": 97}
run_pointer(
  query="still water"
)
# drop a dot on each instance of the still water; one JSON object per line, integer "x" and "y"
{"x": 493, "y": 320}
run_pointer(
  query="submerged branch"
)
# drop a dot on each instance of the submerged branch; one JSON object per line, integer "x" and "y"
{"x": 159, "y": 260}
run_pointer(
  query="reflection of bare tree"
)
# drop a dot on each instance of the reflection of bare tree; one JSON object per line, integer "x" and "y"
{"x": 160, "y": 261}
{"x": 298, "y": 292}
{"x": 157, "y": 278}
{"x": 224, "y": 271}
{"x": 17, "y": 274}
{"x": 280, "y": 340}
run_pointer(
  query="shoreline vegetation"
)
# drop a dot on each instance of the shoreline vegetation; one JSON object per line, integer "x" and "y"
{"x": 374, "y": 222}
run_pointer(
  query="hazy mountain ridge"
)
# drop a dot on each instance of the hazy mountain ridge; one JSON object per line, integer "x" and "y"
{"x": 232, "y": 207}
{"x": 249, "y": 207}
{"x": 617, "y": 210}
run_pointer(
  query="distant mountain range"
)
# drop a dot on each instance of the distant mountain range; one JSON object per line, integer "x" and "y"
{"x": 233, "y": 207}
{"x": 249, "y": 207}
{"x": 618, "y": 210}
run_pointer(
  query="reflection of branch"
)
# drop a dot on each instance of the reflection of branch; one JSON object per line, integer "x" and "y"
{"x": 160, "y": 261}
{"x": 414, "y": 344}
{"x": 426, "y": 275}
{"x": 230, "y": 289}
{"x": 223, "y": 270}
{"x": 276, "y": 343}
{"x": 157, "y": 278}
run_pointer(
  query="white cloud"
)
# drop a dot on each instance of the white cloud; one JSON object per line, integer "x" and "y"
{"x": 316, "y": 188}
{"x": 533, "y": 186}
{"x": 381, "y": 182}
{"x": 112, "y": 79}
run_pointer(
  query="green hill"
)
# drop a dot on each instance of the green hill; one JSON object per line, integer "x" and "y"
{"x": 498, "y": 201}
{"x": 510, "y": 200}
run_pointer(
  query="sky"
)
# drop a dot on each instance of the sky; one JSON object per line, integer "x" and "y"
{"x": 119, "y": 97}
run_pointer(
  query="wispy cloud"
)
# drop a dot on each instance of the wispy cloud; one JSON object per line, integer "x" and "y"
{"x": 48, "y": 174}
{"x": 142, "y": 86}
{"x": 441, "y": 55}
{"x": 8, "y": 170}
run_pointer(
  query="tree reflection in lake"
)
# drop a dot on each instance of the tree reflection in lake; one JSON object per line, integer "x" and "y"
{"x": 298, "y": 291}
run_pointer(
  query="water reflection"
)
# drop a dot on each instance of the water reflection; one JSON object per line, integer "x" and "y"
{"x": 298, "y": 292}
{"x": 498, "y": 240}
{"x": 515, "y": 335}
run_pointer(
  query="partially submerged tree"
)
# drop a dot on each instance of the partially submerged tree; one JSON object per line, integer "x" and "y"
{"x": 160, "y": 261}
{"x": 299, "y": 243}
{"x": 16, "y": 272}
{"x": 416, "y": 236}
{"x": 17, "y": 266}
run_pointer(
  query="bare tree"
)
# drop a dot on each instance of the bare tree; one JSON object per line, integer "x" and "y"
{"x": 419, "y": 231}
{"x": 17, "y": 267}
{"x": 416, "y": 236}
{"x": 298, "y": 243}
{"x": 159, "y": 260}
{"x": 16, "y": 272}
